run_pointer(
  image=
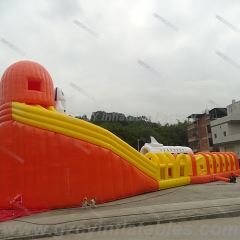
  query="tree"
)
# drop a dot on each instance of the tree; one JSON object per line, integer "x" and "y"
{"x": 139, "y": 129}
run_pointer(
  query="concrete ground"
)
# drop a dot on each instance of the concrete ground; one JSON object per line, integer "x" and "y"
{"x": 214, "y": 229}
{"x": 191, "y": 202}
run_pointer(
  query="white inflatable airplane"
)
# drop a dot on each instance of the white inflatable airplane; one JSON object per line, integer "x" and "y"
{"x": 154, "y": 146}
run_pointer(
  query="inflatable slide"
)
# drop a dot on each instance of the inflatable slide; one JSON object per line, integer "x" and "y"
{"x": 54, "y": 160}
{"x": 49, "y": 160}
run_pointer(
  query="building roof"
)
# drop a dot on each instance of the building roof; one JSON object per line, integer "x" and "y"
{"x": 215, "y": 112}
{"x": 195, "y": 115}
{"x": 218, "y": 112}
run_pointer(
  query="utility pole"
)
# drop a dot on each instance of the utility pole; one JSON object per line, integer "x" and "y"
{"x": 138, "y": 143}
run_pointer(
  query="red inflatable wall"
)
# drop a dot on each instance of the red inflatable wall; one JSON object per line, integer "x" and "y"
{"x": 57, "y": 173}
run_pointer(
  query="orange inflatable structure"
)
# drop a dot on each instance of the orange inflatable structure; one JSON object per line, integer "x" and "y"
{"x": 53, "y": 160}
{"x": 182, "y": 169}
{"x": 212, "y": 166}
{"x": 50, "y": 160}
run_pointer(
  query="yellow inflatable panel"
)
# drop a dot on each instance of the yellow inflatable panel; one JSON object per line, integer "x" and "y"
{"x": 201, "y": 164}
{"x": 173, "y": 172}
{"x": 175, "y": 182}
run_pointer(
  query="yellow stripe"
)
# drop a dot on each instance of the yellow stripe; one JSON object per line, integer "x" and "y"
{"x": 51, "y": 108}
{"x": 90, "y": 135}
{"x": 175, "y": 182}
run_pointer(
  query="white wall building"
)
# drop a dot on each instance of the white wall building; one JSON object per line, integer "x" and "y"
{"x": 226, "y": 130}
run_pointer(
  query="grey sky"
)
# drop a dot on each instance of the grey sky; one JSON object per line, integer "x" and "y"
{"x": 106, "y": 67}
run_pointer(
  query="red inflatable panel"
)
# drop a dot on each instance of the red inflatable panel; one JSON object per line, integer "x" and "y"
{"x": 52, "y": 172}
{"x": 10, "y": 214}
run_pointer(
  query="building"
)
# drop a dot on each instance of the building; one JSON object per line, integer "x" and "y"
{"x": 199, "y": 130}
{"x": 226, "y": 130}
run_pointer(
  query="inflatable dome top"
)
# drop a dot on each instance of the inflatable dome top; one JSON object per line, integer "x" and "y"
{"x": 27, "y": 82}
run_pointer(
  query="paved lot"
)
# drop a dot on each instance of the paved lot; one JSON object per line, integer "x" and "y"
{"x": 191, "y": 202}
{"x": 214, "y": 229}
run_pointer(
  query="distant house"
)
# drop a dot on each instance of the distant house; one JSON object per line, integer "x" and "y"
{"x": 226, "y": 130}
{"x": 199, "y": 130}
